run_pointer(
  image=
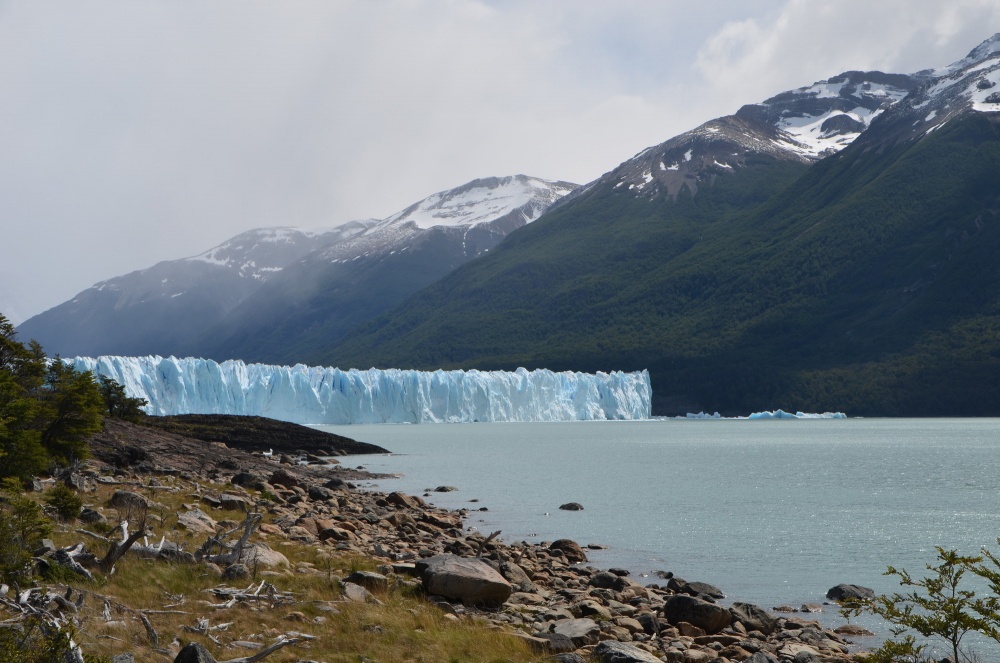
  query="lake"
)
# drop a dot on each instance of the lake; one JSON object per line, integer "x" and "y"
{"x": 772, "y": 512}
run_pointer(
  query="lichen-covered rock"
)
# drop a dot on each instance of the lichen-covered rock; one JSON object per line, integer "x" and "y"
{"x": 581, "y": 631}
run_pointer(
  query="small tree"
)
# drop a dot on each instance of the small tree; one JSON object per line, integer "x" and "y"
{"x": 118, "y": 404}
{"x": 937, "y": 607}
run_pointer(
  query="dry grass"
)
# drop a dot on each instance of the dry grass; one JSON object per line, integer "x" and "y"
{"x": 404, "y": 628}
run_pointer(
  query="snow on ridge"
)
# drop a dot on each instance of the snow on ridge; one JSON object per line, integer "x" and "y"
{"x": 317, "y": 395}
{"x": 481, "y": 201}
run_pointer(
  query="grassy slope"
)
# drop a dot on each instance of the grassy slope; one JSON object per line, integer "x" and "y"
{"x": 868, "y": 285}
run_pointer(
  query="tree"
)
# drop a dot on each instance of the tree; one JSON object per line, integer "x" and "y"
{"x": 72, "y": 410}
{"x": 118, "y": 404}
{"x": 937, "y": 606}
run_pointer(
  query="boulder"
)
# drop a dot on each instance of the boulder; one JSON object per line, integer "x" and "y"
{"x": 610, "y": 651}
{"x": 88, "y": 515}
{"x": 259, "y": 554}
{"x": 369, "y": 580}
{"x": 321, "y": 494}
{"x": 517, "y": 577}
{"x": 471, "y": 581}
{"x": 850, "y": 592}
{"x": 557, "y": 642}
{"x": 194, "y": 652}
{"x": 608, "y": 580}
{"x": 247, "y": 480}
{"x": 681, "y": 586}
{"x": 357, "y": 593}
{"x": 234, "y": 502}
{"x": 282, "y": 477}
{"x": 753, "y": 618}
{"x": 404, "y": 501}
{"x": 571, "y": 549}
{"x": 196, "y": 520}
{"x": 126, "y": 499}
{"x": 571, "y": 506}
{"x": 762, "y": 657}
{"x": 445, "y": 489}
{"x": 581, "y": 631}
{"x": 707, "y": 616}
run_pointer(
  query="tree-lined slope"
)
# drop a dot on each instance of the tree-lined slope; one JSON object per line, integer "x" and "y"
{"x": 867, "y": 282}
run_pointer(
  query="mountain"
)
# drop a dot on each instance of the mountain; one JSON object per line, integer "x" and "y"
{"x": 317, "y": 300}
{"x": 267, "y": 280}
{"x": 744, "y": 278}
{"x": 156, "y": 310}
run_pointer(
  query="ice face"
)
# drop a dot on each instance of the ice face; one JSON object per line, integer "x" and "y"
{"x": 315, "y": 395}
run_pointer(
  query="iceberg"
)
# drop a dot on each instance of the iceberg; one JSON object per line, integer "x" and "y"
{"x": 781, "y": 414}
{"x": 317, "y": 395}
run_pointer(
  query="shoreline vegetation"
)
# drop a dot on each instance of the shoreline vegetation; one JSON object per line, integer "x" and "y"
{"x": 240, "y": 552}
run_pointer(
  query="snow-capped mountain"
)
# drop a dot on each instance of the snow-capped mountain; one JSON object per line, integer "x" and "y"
{"x": 170, "y": 307}
{"x": 971, "y": 85}
{"x": 318, "y": 299}
{"x": 801, "y": 125}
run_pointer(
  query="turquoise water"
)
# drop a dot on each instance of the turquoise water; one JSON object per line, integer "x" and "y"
{"x": 772, "y": 512}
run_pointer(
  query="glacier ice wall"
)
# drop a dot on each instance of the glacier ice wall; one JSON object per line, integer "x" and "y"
{"x": 315, "y": 395}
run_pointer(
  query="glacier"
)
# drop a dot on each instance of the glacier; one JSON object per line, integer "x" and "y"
{"x": 316, "y": 395}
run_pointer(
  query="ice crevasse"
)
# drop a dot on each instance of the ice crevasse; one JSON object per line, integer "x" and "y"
{"x": 317, "y": 395}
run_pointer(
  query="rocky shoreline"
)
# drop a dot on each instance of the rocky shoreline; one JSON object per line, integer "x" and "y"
{"x": 545, "y": 593}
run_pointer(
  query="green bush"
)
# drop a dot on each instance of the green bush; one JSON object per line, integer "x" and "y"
{"x": 65, "y": 501}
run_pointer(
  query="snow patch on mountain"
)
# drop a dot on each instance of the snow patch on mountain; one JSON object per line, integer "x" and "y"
{"x": 482, "y": 201}
{"x": 315, "y": 395}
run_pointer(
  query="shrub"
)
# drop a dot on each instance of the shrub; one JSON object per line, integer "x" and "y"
{"x": 65, "y": 501}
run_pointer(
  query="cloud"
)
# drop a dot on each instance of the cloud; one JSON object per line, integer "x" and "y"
{"x": 134, "y": 131}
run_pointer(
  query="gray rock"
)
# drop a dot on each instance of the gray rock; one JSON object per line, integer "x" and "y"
{"x": 610, "y": 651}
{"x": 608, "y": 580}
{"x": 282, "y": 477}
{"x": 471, "y": 581}
{"x": 369, "y": 580}
{"x": 581, "y": 631}
{"x": 753, "y": 618}
{"x": 557, "y": 642}
{"x": 707, "y": 616}
{"x": 569, "y": 657}
{"x": 571, "y": 506}
{"x": 196, "y": 520}
{"x": 126, "y": 499}
{"x": 236, "y": 572}
{"x": 92, "y": 516}
{"x": 445, "y": 489}
{"x": 248, "y": 480}
{"x": 321, "y": 494}
{"x": 123, "y": 658}
{"x": 762, "y": 657}
{"x": 517, "y": 577}
{"x": 194, "y": 652}
{"x": 357, "y": 593}
{"x": 234, "y": 502}
{"x": 701, "y": 589}
{"x": 853, "y": 592}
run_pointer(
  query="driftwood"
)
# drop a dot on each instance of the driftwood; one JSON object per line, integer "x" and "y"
{"x": 265, "y": 591}
{"x": 482, "y": 544}
{"x": 267, "y": 651}
{"x": 232, "y": 551}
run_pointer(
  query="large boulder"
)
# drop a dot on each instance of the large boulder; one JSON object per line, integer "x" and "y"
{"x": 469, "y": 580}
{"x": 611, "y": 651}
{"x": 844, "y": 592}
{"x": 126, "y": 500}
{"x": 753, "y": 618}
{"x": 570, "y": 549}
{"x": 709, "y": 617}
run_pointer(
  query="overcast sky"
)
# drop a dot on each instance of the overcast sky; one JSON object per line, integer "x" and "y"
{"x": 135, "y": 131}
